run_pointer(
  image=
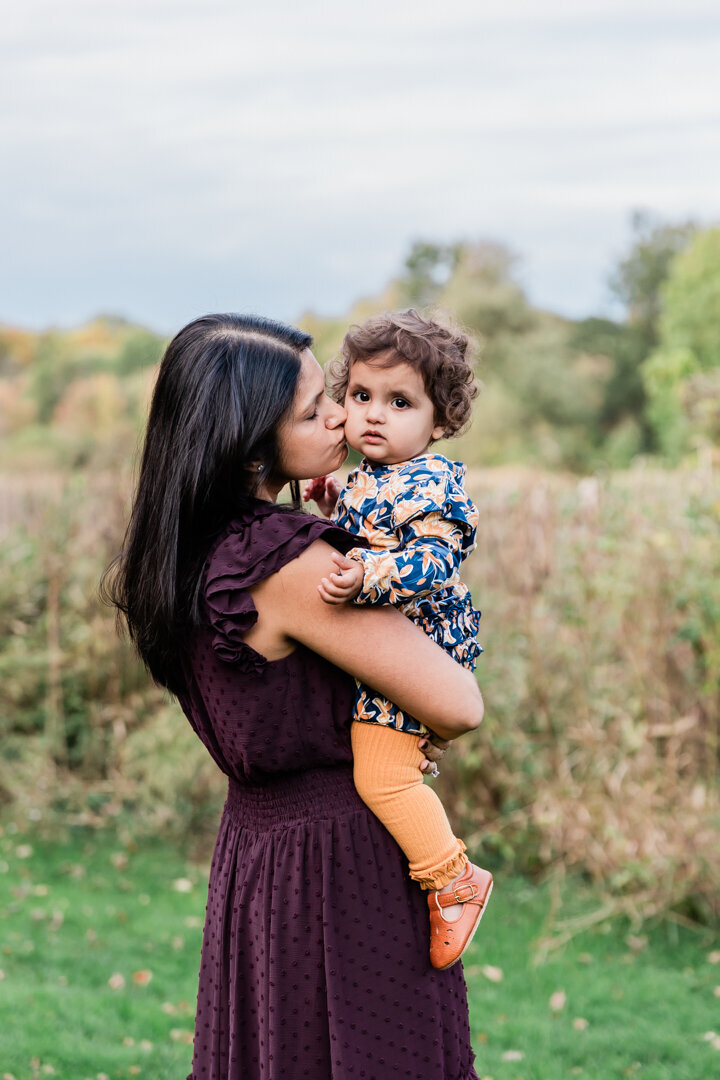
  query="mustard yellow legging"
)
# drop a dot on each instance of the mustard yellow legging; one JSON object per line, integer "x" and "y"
{"x": 388, "y": 779}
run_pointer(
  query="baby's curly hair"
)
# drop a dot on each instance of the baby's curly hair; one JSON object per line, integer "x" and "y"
{"x": 443, "y": 357}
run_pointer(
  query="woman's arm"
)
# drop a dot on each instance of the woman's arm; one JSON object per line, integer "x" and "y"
{"x": 379, "y": 646}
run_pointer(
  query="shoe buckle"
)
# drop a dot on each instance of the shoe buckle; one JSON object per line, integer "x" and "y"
{"x": 464, "y": 899}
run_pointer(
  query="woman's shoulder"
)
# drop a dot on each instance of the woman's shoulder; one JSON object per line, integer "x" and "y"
{"x": 254, "y": 545}
{"x": 262, "y": 538}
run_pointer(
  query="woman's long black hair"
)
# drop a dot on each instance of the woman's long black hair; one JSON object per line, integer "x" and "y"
{"x": 224, "y": 384}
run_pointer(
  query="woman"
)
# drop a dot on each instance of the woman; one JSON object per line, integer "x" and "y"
{"x": 314, "y": 960}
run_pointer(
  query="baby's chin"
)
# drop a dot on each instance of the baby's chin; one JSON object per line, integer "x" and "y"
{"x": 382, "y": 455}
{"x": 378, "y": 455}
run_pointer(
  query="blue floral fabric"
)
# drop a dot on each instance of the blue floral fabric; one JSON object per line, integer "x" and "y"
{"x": 420, "y": 524}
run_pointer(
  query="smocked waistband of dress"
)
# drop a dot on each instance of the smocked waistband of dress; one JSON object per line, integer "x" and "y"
{"x": 281, "y": 801}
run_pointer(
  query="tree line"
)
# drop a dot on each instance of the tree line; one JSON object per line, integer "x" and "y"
{"x": 574, "y": 394}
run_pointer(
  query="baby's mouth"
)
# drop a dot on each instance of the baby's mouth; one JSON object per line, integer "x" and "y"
{"x": 372, "y": 435}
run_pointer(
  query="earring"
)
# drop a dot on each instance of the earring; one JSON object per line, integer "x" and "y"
{"x": 259, "y": 468}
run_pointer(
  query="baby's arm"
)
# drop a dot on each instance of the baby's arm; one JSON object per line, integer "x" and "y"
{"x": 428, "y": 560}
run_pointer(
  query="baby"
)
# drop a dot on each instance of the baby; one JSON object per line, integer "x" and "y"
{"x": 405, "y": 382}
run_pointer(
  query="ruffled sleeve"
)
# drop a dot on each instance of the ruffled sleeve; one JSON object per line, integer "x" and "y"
{"x": 252, "y": 547}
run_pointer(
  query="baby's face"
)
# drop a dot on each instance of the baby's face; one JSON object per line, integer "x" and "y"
{"x": 390, "y": 417}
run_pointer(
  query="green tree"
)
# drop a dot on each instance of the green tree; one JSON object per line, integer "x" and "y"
{"x": 639, "y": 277}
{"x": 141, "y": 350}
{"x": 428, "y": 267}
{"x": 52, "y": 371}
{"x": 625, "y": 346}
{"x": 637, "y": 282}
{"x": 676, "y": 373}
{"x": 483, "y": 292}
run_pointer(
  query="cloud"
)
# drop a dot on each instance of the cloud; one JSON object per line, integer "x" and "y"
{"x": 302, "y": 147}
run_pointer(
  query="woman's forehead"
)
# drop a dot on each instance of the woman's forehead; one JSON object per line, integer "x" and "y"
{"x": 312, "y": 379}
{"x": 310, "y": 369}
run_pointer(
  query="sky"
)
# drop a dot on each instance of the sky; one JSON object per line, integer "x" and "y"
{"x": 165, "y": 158}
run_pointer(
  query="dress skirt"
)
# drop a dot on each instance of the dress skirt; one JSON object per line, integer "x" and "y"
{"x": 315, "y": 951}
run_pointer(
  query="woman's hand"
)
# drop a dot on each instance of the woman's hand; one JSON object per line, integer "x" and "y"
{"x": 324, "y": 490}
{"x": 345, "y": 583}
{"x": 434, "y": 749}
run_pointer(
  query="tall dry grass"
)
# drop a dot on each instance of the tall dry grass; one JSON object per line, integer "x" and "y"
{"x": 599, "y": 751}
{"x": 87, "y": 738}
{"x": 601, "y": 624}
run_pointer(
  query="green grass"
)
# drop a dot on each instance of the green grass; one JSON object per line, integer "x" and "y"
{"x": 635, "y": 1005}
{"x": 76, "y": 913}
{"x": 73, "y": 915}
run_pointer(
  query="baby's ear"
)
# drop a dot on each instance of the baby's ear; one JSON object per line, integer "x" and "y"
{"x": 438, "y": 432}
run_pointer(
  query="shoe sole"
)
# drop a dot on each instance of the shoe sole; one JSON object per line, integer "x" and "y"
{"x": 466, "y": 946}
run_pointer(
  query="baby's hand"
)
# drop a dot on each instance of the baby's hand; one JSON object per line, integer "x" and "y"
{"x": 324, "y": 490}
{"x": 345, "y": 583}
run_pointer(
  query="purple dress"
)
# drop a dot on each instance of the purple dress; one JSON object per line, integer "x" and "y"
{"x": 315, "y": 949}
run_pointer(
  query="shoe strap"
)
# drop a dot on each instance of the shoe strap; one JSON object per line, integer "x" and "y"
{"x": 461, "y": 894}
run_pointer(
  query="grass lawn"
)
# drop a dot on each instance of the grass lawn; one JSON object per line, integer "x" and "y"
{"x": 100, "y": 951}
{"x": 611, "y": 1004}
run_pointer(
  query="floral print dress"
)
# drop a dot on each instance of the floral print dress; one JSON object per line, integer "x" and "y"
{"x": 420, "y": 524}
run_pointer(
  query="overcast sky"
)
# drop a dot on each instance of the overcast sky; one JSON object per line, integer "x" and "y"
{"x": 162, "y": 158}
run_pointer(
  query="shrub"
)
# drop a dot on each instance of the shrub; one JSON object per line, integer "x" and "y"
{"x": 601, "y": 676}
{"x": 599, "y": 751}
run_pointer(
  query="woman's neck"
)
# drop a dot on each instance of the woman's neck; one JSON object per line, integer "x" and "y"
{"x": 269, "y": 491}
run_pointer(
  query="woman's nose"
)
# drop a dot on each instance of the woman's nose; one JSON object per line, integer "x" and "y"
{"x": 337, "y": 417}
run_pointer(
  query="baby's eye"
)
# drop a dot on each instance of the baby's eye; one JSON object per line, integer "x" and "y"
{"x": 361, "y": 395}
{"x": 401, "y": 403}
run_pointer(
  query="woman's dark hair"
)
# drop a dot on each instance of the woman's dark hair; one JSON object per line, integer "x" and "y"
{"x": 224, "y": 384}
{"x": 441, "y": 354}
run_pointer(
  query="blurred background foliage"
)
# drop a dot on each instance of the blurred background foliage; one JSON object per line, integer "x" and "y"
{"x": 573, "y": 394}
{"x": 593, "y": 458}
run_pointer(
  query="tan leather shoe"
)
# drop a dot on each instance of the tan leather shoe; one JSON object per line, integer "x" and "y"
{"x": 449, "y": 940}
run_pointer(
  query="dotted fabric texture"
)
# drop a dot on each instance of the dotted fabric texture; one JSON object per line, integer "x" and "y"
{"x": 315, "y": 949}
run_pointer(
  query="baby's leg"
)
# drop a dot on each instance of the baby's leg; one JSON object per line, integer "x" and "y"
{"x": 388, "y": 779}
